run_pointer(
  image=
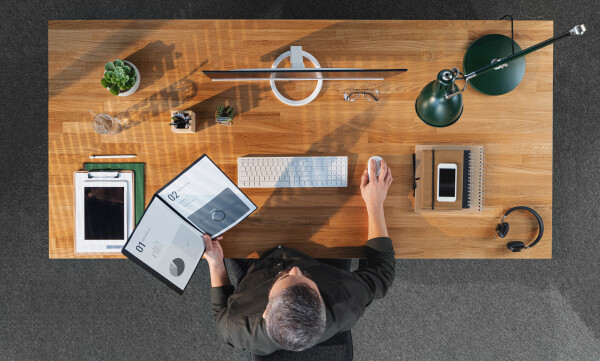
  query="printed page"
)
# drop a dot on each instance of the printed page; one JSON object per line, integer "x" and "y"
{"x": 167, "y": 244}
{"x": 207, "y": 198}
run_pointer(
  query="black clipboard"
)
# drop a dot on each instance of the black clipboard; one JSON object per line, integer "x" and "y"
{"x": 157, "y": 198}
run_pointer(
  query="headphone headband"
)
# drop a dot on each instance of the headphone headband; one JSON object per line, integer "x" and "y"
{"x": 537, "y": 217}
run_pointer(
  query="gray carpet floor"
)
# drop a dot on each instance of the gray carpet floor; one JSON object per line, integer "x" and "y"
{"x": 436, "y": 310}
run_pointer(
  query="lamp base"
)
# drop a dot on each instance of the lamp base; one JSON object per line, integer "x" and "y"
{"x": 482, "y": 52}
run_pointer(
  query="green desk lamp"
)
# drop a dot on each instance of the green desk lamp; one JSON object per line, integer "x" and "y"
{"x": 440, "y": 103}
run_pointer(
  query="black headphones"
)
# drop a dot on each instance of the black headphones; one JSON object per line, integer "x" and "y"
{"x": 517, "y": 246}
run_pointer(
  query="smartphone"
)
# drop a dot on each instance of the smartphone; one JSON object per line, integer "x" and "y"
{"x": 446, "y": 183}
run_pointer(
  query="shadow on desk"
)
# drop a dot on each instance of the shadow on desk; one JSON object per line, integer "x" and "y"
{"x": 162, "y": 101}
{"x": 294, "y": 215}
{"x": 153, "y": 62}
{"x": 330, "y": 52}
{"x": 74, "y": 72}
{"x": 243, "y": 98}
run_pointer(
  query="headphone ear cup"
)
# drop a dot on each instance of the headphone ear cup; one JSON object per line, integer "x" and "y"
{"x": 502, "y": 229}
{"x": 515, "y": 246}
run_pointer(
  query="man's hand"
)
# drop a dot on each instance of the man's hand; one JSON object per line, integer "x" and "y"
{"x": 375, "y": 190}
{"x": 214, "y": 255}
{"x": 213, "y": 252}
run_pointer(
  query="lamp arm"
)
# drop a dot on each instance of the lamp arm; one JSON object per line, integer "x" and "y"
{"x": 577, "y": 30}
{"x": 456, "y": 73}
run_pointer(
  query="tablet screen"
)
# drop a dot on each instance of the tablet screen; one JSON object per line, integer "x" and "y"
{"x": 104, "y": 213}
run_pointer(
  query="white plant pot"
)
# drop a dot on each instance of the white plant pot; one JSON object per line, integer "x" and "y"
{"x": 137, "y": 80}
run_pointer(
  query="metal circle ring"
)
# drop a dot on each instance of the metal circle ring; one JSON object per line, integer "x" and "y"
{"x": 304, "y": 101}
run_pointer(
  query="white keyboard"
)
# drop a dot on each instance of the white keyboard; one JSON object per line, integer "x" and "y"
{"x": 292, "y": 172}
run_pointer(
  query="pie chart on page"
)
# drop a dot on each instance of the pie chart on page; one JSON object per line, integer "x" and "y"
{"x": 176, "y": 267}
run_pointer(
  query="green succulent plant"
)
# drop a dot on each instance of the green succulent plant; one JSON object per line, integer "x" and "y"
{"x": 118, "y": 76}
{"x": 224, "y": 111}
{"x": 224, "y": 115}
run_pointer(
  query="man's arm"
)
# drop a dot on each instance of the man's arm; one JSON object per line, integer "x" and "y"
{"x": 213, "y": 252}
{"x": 221, "y": 287}
{"x": 374, "y": 191}
{"x": 243, "y": 333}
{"x": 377, "y": 226}
{"x": 377, "y": 273}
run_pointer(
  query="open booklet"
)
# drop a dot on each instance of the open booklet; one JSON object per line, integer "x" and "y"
{"x": 167, "y": 241}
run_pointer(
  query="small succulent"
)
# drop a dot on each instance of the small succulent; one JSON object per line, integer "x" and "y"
{"x": 181, "y": 120}
{"x": 224, "y": 115}
{"x": 118, "y": 77}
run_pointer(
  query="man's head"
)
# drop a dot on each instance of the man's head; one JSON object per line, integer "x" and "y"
{"x": 295, "y": 314}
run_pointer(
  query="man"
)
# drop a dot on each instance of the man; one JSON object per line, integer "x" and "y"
{"x": 290, "y": 301}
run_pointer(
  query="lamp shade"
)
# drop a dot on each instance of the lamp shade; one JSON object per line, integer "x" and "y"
{"x": 486, "y": 50}
{"x": 432, "y": 105}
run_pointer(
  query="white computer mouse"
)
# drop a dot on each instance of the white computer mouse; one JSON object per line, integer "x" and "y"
{"x": 378, "y": 160}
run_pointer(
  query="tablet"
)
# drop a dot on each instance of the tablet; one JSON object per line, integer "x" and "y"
{"x": 102, "y": 215}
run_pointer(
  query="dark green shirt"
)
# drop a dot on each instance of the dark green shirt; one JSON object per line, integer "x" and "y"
{"x": 238, "y": 313}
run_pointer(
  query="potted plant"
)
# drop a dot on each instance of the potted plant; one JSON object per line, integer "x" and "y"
{"x": 120, "y": 78}
{"x": 183, "y": 121}
{"x": 224, "y": 115}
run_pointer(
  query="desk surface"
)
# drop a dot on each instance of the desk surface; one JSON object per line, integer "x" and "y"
{"x": 516, "y": 128}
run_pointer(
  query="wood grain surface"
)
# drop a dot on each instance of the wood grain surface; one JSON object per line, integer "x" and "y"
{"x": 515, "y": 129}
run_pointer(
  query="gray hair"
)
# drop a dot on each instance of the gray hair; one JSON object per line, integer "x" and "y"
{"x": 295, "y": 317}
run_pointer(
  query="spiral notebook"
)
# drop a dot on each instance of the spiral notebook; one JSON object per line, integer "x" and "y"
{"x": 470, "y": 193}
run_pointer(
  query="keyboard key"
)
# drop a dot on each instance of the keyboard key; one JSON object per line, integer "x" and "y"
{"x": 268, "y": 184}
{"x": 257, "y": 172}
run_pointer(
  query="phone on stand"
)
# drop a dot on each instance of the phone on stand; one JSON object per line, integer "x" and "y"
{"x": 446, "y": 184}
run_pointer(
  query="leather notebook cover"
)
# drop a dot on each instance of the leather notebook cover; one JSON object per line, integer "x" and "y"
{"x": 473, "y": 176}
{"x": 427, "y": 194}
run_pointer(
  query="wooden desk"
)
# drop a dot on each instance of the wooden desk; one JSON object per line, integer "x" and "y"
{"x": 516, "y": 128}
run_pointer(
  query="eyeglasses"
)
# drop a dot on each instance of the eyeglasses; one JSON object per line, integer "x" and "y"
{"x": 352, "y": 95}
